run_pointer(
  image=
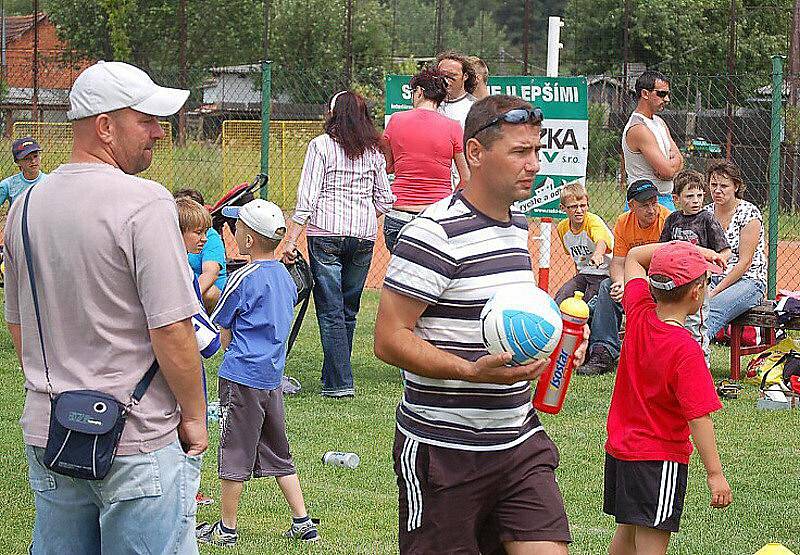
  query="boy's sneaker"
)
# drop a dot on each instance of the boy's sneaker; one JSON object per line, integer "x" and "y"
{"x": 600, "y": 362}
{"x": 307, "y": 531}
{"x": 213, "y": 534}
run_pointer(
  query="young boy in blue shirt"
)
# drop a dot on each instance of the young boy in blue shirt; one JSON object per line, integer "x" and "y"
{"x": 27, "y": 156}
{"x": 255, "y": 315}
{"x": 208, "y": 264}
{"x": 194, "y": 220}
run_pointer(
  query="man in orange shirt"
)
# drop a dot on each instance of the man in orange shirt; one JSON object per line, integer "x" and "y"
{"x": 641, "y": 225}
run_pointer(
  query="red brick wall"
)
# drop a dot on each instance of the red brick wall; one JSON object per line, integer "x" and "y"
{"x": 54, "y": 73}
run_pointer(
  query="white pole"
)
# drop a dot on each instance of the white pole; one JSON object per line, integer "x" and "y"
{"x": 554, "y": 47}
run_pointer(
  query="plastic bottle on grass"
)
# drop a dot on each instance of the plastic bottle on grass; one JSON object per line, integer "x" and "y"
{"x": 552, "y": 387}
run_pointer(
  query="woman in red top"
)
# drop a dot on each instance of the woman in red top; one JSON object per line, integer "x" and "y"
{"x": 420, "y": 146}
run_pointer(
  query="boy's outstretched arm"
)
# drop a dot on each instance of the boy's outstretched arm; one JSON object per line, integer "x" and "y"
{"x": 704, "y": 438}
{"x": 599, "y": 253}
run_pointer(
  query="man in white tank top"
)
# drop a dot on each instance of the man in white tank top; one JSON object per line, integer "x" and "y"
{"x": 461, "y": 83}
{"x": 647, "y": 146}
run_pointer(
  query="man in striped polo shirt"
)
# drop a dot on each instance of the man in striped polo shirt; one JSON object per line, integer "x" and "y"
{"x": 474, "y": 468}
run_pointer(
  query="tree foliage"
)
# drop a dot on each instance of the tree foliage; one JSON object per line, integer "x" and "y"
{"x": 304, "y": 33}
{"x": 677, "y": 36}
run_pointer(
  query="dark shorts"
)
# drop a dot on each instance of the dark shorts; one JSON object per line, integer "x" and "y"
{"x": 454, "y": 501}
{"x": 252, "y": 436}
{"x": 645, "y": 493}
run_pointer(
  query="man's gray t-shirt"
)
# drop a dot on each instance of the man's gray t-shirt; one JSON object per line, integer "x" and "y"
{"x": 110, "y": 265}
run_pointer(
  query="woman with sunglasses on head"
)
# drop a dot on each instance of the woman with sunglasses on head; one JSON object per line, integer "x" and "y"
{"x": 648, "y": 149}
{"x": 420, "y": 146}
{"x": 343, "y": 188}
{"x": 742, "y": 285}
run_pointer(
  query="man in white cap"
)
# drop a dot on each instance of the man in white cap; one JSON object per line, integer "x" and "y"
{"x": 114, "y": 292}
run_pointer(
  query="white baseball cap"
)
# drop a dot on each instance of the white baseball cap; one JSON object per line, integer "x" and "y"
{"x": 262, "y": 216}
{"x": 108, "y": 86}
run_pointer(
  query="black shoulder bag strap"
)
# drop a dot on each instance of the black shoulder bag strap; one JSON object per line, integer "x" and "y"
{"x": 298, "y": 321}
{"x": 143, "y": 384}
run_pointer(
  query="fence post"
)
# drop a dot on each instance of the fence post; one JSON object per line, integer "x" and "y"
{"x": 775, "y": 171}
{"x": 266, "y": 95}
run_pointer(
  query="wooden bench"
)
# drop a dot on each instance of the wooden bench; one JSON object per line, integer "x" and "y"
{"x": 761, "y": 316}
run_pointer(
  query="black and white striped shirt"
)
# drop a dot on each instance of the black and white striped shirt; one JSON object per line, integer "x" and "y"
{"x": 454, "y": 258}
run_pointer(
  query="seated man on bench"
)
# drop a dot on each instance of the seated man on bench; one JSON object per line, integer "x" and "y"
{"x": 641, "y": 225}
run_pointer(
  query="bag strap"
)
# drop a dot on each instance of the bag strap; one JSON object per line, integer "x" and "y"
{"x": 778, "y": 362}
{"x": 143, "y": 384}
{"x": 298, "y": 321}
{"x": 26, "y": 246}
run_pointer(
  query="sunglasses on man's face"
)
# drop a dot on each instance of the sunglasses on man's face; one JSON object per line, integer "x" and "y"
{"x": 661, "y": 93}
{"x": 515, "y": 116}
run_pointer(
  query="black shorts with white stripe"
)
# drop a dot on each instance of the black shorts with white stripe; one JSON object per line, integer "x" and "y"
{"x": 645, "y": 493}
{"x": 454, "y": 501}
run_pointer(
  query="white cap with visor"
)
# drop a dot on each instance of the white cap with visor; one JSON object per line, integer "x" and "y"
{"x": 108, "y": 86}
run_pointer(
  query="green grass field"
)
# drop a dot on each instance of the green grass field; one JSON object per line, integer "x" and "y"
{"x": 358, "y": 508}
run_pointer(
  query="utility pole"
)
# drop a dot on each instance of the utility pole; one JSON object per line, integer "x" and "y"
{"x": 625, "y": 60}
{"x": 35, "y": 97}
{"x": 623, "y": 98}
{"x": 394, "y": 28}
{"x": 266, "y": 101}
{"x": 526, "y": 21}
{"x": 731, "y": 69}
{"x": 794, "y": 57}
{"x": 348, "y": 43}
{"x": 3, "y": 40}
{"x": 265, "y": 46}
{"x": 183, "y": 37}
{"x": 439, "y": 16}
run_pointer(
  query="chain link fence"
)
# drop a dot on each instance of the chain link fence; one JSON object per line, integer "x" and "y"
{"x": 216, "y": 143}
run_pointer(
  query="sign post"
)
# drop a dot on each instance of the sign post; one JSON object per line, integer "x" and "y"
{"x": 554, "y": 25}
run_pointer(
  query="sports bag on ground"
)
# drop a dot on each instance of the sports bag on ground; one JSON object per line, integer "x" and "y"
{"x": 775, "y": 366}
{"x": 85, "y": 425}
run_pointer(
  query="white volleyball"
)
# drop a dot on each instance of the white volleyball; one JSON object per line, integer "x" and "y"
{"x": 523, "y": 320}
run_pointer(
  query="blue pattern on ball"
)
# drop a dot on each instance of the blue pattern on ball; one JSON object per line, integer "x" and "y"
{"x": 527, "y": 334}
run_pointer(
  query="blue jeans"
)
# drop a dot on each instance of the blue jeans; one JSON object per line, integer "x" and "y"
{"x": 146, "y": 504}
{"x": 391, "y": 231}
{"x": 340, "y": 266}
{"x": 606, "y": 320}
{"x": 733, "y": 301}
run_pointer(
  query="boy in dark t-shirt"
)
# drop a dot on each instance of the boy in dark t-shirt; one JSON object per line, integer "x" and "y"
{"x": 699, "y": 227}
{"x": 661, "y": 397}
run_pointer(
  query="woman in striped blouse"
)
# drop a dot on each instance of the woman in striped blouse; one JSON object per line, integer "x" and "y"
{"x": 343, "y": 188}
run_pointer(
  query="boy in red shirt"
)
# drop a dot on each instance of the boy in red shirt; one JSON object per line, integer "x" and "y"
{"x": 659, "y": 400}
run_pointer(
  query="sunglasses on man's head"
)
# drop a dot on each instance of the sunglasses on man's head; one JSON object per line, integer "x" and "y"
{"x": 515, "y": 116}
{"x": 661, "y": 93}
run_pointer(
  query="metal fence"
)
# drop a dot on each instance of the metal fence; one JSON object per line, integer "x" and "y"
{"x": 216, "y": 143}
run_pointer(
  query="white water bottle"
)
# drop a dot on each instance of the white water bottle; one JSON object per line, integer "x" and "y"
{"x": 338, "y": 458}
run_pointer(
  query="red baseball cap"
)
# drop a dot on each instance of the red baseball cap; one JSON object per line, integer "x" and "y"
{"x": 681, "y": 262}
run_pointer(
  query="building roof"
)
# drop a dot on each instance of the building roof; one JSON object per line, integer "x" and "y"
{"x": 240, "y": 69}
{"x": 18, "y": 25}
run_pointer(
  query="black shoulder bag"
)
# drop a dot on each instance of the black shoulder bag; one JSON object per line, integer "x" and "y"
{"x": 85, "y": 425}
